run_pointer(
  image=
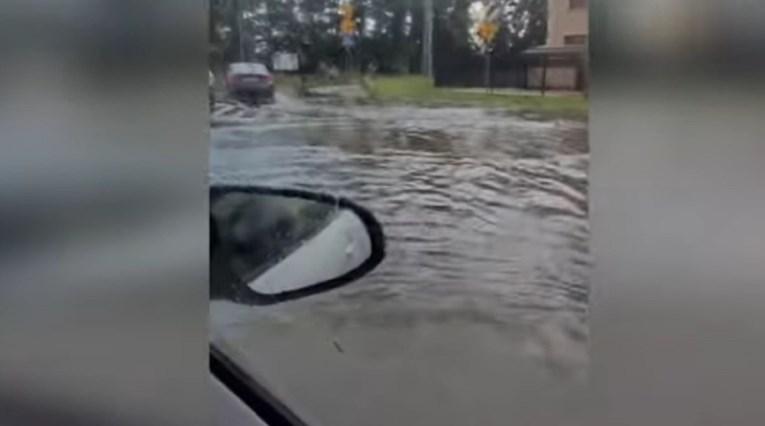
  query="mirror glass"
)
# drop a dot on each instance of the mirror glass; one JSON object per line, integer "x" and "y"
{"x": 271, "y": 245}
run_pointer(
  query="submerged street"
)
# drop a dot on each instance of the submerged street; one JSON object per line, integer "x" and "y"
{"x": 486, "y": 276}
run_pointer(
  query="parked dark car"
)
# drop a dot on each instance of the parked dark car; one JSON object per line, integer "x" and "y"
{"x": 250, "y": 81}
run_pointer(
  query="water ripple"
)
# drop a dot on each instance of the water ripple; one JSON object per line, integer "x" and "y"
{"x": 478, "y": 209}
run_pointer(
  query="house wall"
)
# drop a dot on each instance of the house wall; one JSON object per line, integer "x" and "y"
{"x": 563, "y": 21}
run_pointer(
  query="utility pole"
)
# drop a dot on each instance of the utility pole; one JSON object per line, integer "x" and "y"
{"x": 427, "y": 39}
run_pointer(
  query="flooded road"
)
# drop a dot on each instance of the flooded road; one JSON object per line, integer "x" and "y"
{"x": 485, "y": 283}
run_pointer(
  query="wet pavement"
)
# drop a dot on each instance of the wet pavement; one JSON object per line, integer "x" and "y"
{"x": 485, "y": 283}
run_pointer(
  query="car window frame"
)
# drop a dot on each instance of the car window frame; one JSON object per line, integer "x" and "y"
{"x": 266, "y": 406}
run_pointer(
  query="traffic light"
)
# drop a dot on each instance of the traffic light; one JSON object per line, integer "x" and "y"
{"x": 348, "y": 23}
{"x": 347, "y": 26}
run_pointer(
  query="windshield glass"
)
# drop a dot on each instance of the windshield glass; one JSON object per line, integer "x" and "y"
{"x": 471, "y": 151}
{"x": 245, "y": 68}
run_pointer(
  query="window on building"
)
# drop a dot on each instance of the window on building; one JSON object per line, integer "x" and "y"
{"x": 575, "y": 40}
{"x": 577, "y": 4}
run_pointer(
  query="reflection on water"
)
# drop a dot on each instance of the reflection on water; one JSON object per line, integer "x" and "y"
{"x": 485, "y": 216}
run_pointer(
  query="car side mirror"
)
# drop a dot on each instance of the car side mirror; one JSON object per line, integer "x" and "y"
{"x": 273, "y": 245}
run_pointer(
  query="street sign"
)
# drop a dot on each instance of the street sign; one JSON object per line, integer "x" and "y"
{"x": 348, "y": 30}
{"x": 488, "y": 27}
{"x": 348, "y": 23}
{"x": 347, "y": 26}
{"x": 488, "y": 23}
{"x": 346, "y": 10}
{"x": 487, "y": 31}
{"x": 348, "y": 41}
{"x": 286, "y": 61}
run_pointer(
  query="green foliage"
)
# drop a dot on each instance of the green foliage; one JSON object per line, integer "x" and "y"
{"x": 416, "y": 90}
{"x": 524, "y": 24}
{"x": 390, "y": 30}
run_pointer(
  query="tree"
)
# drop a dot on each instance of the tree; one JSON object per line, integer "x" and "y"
{"x": 390, "y": 31}
{"x": 223, "y": 31}
{"x": 458, "y": 59}
{"x": 524, "y": 24}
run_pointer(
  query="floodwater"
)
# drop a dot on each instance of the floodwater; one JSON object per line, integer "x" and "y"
{"x": 477, "y": 314}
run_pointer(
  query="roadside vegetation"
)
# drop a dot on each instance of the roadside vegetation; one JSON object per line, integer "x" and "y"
{"x": 293, "y": 84}
{"x": 420, "y": 91}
